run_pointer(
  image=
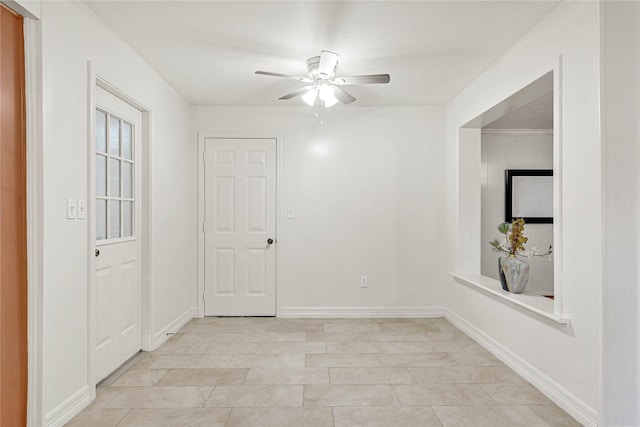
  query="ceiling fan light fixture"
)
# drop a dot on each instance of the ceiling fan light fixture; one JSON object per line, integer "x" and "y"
{"x": 327, "y": 96}
{"x": 331, "y": 103}
{"x": 310, "y": 96}
{"x": 322, "y": 81}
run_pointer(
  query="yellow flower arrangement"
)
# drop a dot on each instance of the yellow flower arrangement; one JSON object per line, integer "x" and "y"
{"x": 515, "y": 241}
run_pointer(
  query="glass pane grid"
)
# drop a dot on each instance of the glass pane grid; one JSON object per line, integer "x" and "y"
{"x": 101, "y": 131}
{"x": 101, "y": 219}
{"x": 114, "y": 135}
{"x": 115, "y": 203}
{"x": 120, "y": 157}
{"x": 127, "y": 140}
{"x": 115, "y": 225}
{"x": 101, "y": 175}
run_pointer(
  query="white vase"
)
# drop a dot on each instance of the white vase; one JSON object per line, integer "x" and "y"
{"x": 514, "y": 274}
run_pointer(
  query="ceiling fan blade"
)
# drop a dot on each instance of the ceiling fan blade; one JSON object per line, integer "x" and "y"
{"x": 294, "y": 94}
{"x": 286, "y": 76}
{"x": 342, "y": 96}
{"x": 363, "y": 80}
{"x": 328, "y": 63}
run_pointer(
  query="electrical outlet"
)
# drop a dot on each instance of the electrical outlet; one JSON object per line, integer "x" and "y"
{"x": 363, "y": 282}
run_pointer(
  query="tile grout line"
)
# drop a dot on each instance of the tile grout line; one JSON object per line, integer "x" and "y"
{"x": 204, "y": 404}
{"x": 226, "y": 420}
{"x": 113, "y": 397}
{"x": 393, "y": 389}
{"x": 436, "y": 414}
{"x": 125, "y": 416}
{"x": 333, "y": 416}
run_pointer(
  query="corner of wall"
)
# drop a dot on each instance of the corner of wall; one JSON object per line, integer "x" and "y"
{"x": 68, "y": 409}
{"x": 547, "y": 386}
{"x": 165, "y": 333}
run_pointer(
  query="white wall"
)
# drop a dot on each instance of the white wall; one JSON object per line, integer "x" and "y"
{"x": 566, "y": 361}
{"x": 367, "y": 190}
{"x": 514, "y": 150}
{"x": 621, "y": 183}
{"x": 368, "y": 186}
{"x": 71, "y": 36}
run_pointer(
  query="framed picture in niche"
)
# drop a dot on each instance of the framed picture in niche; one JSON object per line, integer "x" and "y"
{"x": 529, "y": 195}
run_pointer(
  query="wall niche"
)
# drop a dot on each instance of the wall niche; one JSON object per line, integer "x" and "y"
{"x": 516, "y": 134}
{"x": 522, "y": 139}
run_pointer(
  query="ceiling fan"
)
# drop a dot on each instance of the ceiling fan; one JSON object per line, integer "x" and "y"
{"x": 323, "y": 83}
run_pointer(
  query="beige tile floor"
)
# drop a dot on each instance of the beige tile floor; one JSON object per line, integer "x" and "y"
{"x": 319, "y": 372}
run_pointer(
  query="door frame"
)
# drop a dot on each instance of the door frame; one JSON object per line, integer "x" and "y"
{"x": 280, "y": 253}
{"x": 95, "y": 80}
{"x": 35, "y": 214}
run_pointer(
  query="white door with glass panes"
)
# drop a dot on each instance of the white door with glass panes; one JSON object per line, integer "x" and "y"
{"x": 240, "y": 227}
{"x": 117, "y": 171}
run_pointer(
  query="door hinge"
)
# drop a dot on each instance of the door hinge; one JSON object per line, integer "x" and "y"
{"x": 203, "y": 298}
{"x": 204, "y": 227}
{"x": 204, "y": 157}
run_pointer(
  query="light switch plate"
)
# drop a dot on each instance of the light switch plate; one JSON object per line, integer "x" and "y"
{"x": 82, "y": 208}
{"x": 364, "y": 282}
{"x": 291, "y": 213}
{"x": 72, "y": 208}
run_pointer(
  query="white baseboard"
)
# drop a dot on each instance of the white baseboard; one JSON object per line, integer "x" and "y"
{"x": 554, "y": 391}
{"x": 68, "y": 409}
{"x": 165, "y": 333}
{"x": 82, "y": 398}
{"x": 362, "y": 312}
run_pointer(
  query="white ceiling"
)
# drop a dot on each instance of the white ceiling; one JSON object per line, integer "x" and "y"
{"x": 209, "y": 50}
{"x": 537, "y": 114}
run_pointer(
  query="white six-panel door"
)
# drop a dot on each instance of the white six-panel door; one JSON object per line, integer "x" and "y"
{"x": 117, "y": 171}
{"x": 240, "y": 227}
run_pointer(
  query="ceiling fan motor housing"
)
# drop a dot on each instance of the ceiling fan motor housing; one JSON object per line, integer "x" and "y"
{"x": 312, "y": 65}
{"x": 323, "y": 70}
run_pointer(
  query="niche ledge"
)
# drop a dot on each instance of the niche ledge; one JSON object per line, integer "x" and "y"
{"x": 531, "y": 304}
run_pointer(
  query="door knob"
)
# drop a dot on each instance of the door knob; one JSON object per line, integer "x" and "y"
{"x": 269, "y": 241}
{"x": 97, "y": 252}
